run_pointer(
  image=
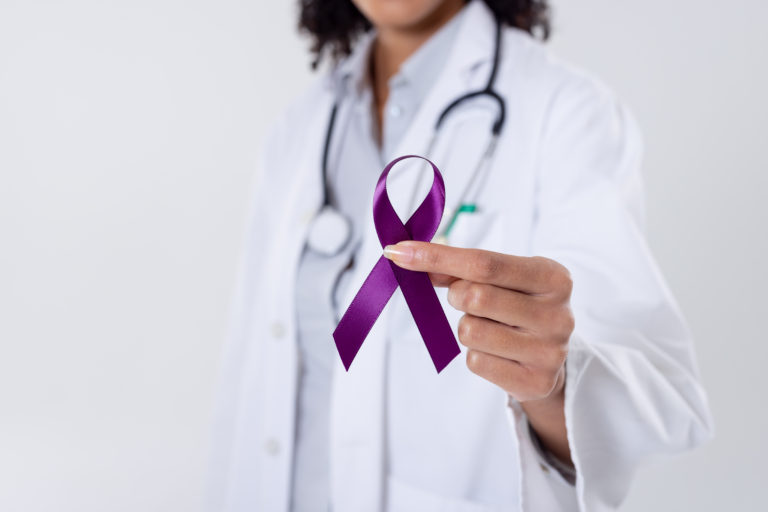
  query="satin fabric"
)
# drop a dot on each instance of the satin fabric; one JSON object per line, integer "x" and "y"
{"x": 386, "y": 276}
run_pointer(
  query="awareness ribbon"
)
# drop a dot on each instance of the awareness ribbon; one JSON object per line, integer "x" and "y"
{"x": 386, "y": 276}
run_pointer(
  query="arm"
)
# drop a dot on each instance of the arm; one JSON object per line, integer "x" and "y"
{"x": 628, "y": 388}
{"x": 632, "y": 390}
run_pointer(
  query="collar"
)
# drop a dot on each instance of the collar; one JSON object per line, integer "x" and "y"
{"x": 419, "y": 69}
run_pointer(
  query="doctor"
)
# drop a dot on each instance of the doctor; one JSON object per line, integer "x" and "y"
{"x": 577, "y": 363}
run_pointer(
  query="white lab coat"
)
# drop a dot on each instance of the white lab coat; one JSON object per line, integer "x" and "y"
{"x": 565, "y": 183}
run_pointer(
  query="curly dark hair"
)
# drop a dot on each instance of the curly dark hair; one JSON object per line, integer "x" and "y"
{"x": 333, "y": 25}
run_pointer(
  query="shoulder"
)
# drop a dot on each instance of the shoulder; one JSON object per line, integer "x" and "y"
{"x": 539, "y": 68}
{"x": 566, "y": 100}
{"x": 557, "y": 90}
{"x": 578, "y": 124}
{"x": 305, "y": 111}
{"x": 292, "y": 136}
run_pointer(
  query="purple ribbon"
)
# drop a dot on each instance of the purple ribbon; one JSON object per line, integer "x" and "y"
{"x": 385, "y": 277}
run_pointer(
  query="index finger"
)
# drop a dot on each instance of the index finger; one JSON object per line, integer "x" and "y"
{"x": 521, "y": 273}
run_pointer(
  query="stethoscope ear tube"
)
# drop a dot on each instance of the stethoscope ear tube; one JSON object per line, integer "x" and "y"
{"x": 327, "y": 191}
{"x": 498, "y": 123}
{"x": 330, "y": 230}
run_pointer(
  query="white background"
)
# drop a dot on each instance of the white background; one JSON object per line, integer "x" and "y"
{"x": 128, "y": 133}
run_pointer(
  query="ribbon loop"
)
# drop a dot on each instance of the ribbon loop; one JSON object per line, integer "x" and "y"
{"x": 385, "y": 277}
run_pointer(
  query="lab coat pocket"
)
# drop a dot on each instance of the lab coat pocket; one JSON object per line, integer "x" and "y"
{"x": 473, "y": 230}
{"x": 404, "y": 497}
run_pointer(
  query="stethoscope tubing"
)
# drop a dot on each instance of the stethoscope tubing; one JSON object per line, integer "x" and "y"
{"x": 498, "y": 124}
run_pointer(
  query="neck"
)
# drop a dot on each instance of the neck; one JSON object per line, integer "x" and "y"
{"x": 393, "y": 45}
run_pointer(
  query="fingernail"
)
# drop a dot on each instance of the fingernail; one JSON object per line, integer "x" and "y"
{"x": 399, "y": 253}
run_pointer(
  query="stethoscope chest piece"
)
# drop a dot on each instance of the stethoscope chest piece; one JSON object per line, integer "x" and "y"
{"x": 329, "y": 233}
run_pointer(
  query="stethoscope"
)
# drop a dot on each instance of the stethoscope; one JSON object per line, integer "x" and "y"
{"x": 331, "y": 230}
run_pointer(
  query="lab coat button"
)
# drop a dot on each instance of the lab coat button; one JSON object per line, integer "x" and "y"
{"x": 395, "y": 110}
{"x": 272, "y": 446}
{"x": 278, "y": 330}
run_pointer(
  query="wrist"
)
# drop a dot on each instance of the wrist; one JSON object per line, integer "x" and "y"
{"x": 546, "y": 417}
{"x": 555, "y": 399}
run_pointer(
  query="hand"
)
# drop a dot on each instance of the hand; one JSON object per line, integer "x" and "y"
{"x": 517, "y": 319}
{"x": 516, "y": 325}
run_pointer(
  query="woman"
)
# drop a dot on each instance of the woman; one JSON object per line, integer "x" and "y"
{"x": 577, "y": 364}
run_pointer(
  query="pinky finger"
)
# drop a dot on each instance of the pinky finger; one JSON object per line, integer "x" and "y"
{"x": 522, "y": 382}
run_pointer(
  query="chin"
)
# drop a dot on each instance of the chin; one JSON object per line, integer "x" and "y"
{"x": 398, "y": 14}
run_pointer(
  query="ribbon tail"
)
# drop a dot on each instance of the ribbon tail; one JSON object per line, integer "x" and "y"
{"x": 428, "y": 314}
{"x": 363, "y": 311}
